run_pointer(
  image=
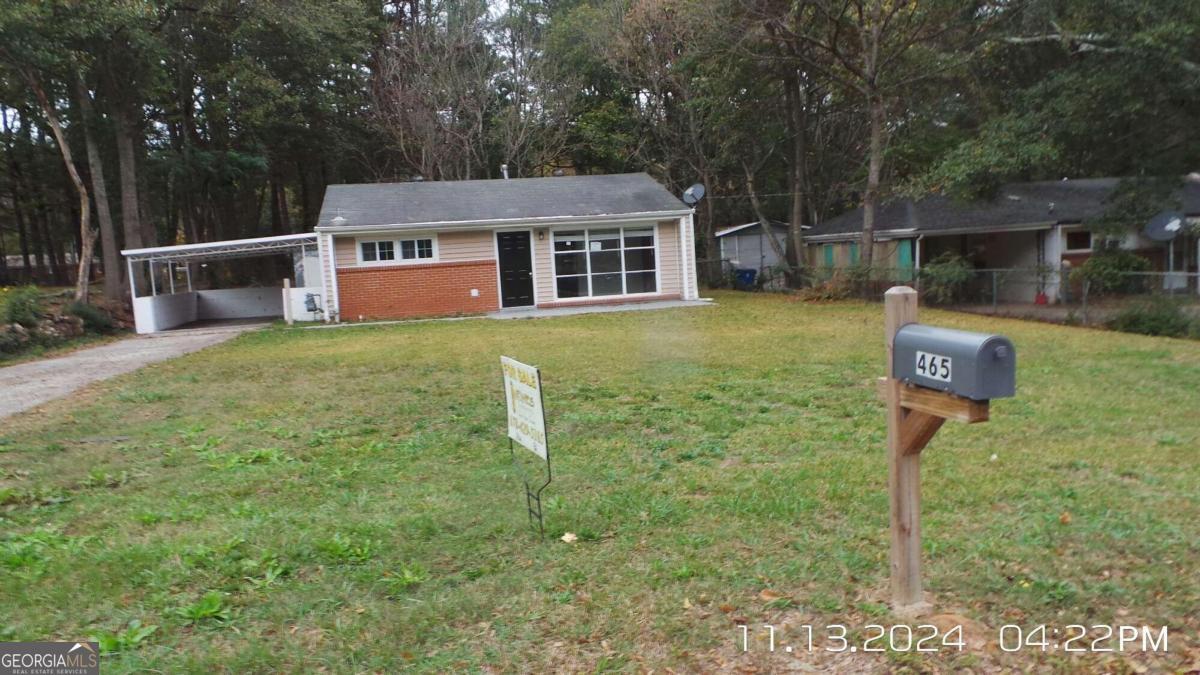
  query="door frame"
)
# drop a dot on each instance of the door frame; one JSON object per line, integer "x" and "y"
{"x": 532, "y": 264}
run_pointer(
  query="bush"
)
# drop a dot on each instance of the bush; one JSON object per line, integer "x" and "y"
{"x": 1109, "y": 271}
{"x": 95, "y": 320}
{"x": 944, "y": 279}
{"x": 1159, "y": 316}
{"x": 24, "y": 306}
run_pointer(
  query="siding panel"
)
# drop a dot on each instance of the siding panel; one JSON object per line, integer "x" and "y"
{"x": 460, "y": 246}
{"x": 668, "y": 256}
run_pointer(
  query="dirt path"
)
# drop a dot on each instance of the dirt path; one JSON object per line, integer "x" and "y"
{"x": 26, "y": 385}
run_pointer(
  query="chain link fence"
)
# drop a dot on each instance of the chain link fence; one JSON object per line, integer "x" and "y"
{"x": 1058, "y": 295}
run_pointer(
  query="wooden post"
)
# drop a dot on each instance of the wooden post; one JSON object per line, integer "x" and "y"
{"x": 904, "y": 468}
{"x": 287, "y": 301}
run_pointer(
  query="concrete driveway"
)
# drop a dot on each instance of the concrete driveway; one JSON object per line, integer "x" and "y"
{"x": 26, "y": 385}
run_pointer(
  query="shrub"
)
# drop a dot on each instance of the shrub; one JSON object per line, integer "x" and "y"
{"x": 95, "y": 320}
{"x": 24, "y": 306}
{"x": 1109, "y": 271}
{"x": 944, "y": 279}
{"x": 1159, "y": 316}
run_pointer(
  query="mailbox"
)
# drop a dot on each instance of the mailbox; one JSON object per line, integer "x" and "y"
{"x": 977, "y": 366}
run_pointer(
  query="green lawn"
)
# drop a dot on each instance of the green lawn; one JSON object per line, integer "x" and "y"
{"x": 345, "y": 499}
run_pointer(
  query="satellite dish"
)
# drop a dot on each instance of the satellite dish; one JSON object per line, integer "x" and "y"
{"x": 1165, "y": 226}
{"x": 693, "y": 194}
{"x": 338, "y": 221}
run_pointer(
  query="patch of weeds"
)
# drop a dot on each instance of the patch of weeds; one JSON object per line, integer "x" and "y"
{"x": 192, "y": 432}
{"x": 149, "y": 517}
{"x": 683, "y": 572}
{"x": 98, "y": 478}
{"x": 1169, "y": 440}
{"x": 1051, "y": 591}
{"x": 43, "y": 495}
{"x": 224, "y": 557}
{"x": 344, "y": 550}
{"x": 706, "y": 449}
{"x": 265, "y": 570}
{"x": 28, "y": 554}
{"x": 257, "y": 456}
{"x": 126, "y": 640}
{"x": 54, "y": 447}
{"x": 282, "y": 433}
{"x": 403, "y": 579}
{"x": 210, "y": 607}
{"x": 322, "y": 437}
{"x": 144, "y": 396}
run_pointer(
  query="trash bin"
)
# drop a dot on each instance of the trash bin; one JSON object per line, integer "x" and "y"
{"x": 745, "y": 278}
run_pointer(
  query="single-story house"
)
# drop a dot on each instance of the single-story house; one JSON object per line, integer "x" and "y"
{"x": 1027, "y": 226}
{"x": 424, "y": 249}
{"x": 747, "y": 247}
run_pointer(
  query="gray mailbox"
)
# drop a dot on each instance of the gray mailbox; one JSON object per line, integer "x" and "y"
{"x": 977, "y": 366}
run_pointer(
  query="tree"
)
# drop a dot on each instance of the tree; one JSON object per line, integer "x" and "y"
{"x": 1081, "y": 88}
{"x": 878, "y": 49}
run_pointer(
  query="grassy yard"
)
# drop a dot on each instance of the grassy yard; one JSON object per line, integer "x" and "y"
{"x": 344, "y": 500}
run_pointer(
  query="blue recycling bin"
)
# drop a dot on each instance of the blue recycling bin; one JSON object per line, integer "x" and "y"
{"x": 744, "y": 278}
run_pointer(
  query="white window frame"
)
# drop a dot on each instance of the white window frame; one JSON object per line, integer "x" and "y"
{"x": 656, "y": 247}
{"x": 397, "y": 246}
{"x": 1071, "y": 230}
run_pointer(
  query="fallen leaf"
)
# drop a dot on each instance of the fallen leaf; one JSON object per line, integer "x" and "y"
{"x": 725, "y": 608}
{"x": 1065, "y": 518}
{"x": 767, "y": 595}
{"x": 570, "y": 537}
{"x": 687, "y": 604}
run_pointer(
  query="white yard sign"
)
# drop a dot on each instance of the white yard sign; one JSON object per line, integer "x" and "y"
{"x": 523, "y": 392}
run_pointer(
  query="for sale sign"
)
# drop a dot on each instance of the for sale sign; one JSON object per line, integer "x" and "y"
{"x": 523, "y": 392}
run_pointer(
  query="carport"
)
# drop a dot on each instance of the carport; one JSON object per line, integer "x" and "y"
{"x": 172, "y": 301}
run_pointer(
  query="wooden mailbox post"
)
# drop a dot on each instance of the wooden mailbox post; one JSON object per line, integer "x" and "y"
{"x": 914, "y": 415}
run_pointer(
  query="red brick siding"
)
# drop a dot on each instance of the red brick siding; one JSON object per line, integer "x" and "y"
{"x": 407, "y": 291}
{"x": 610, "y": 301}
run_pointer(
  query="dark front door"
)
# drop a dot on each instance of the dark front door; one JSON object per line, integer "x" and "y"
{"x": 516, "y": 269}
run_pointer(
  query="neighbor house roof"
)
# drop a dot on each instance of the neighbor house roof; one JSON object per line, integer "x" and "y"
{"x": 1016, "y": 206}
{"x": 447, "y": 203}
{"x": 775, "y": 224}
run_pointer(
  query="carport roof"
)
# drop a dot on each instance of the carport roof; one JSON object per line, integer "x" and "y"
{"x": 230, "y": 248}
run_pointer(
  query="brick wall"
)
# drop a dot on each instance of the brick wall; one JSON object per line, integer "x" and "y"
{"x": 406, "y": 291}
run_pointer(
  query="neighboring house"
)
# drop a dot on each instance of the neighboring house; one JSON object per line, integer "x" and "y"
{"x": 747, "y": 247}
{"x": 423, "y": 249}
{"x": 1025, "y": 226}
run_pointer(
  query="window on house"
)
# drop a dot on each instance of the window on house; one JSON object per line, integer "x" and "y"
{"x": 605, "y": 261}
{"x": 385, "y": 250}
{"x": 1079, "y": 240}
{"x": 378, "y": 251}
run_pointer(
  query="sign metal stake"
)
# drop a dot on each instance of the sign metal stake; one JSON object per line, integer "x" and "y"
{"x": 527, "y": 427}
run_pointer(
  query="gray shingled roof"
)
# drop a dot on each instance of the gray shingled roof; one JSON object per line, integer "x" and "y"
{"x": 1015, "y": 205}
{"x": 484, "y": 200}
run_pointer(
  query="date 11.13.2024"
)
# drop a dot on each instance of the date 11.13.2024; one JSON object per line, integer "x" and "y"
{"x": 1067, "y": 638}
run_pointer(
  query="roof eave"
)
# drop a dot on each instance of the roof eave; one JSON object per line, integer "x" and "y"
{"x": 883, "y": 235}
{"x": 504, "y": 222}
